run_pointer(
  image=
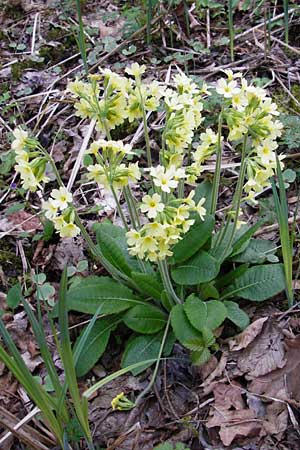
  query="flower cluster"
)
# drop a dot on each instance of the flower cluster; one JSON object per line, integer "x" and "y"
{"x": 58, "y": 209}
{"x": 248, "y": 121}
{"x": 171, "y": 217}
{"x": 31, "y": 164}
{"x": 119, "y": 99}
{"x": 251, "y": 117}
{"x": 108, "y": 169}
{"x": 183, "y": 116}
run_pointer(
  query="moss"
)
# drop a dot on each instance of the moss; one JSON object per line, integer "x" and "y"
{"x": 285, "y": 103}
{"x": 10, "y": 262}
{"x": 18, "y": 68}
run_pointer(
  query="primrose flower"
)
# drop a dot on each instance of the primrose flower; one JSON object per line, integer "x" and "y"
{"x": 50, "y": 209}
{"x": 61, "y": 198}
{"x": 209, "y": 137}
{"x": 136, "y": 70}
{"x": 266, "y": 151}
{"x": 152, "y": 205}
{"x": 122, "y": 403}
{"x": 163, "y": 178}
{"x": 227, "y": 88}
{"x": 239, "y": 101}
{"x": 69, "y": 230}
{"x": 200, "y": 209}
{"x": 96, "y": 173}
{"x": 231, "y": 75}
{"x": 19, "y": 143}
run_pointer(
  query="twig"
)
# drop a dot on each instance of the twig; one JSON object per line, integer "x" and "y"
{"x": 286, "y": 89}
{"x": 80, "y": 154}
{"x": 34, "y": 33}
{"x": 274, "y": 227}
{"x": 22, "y": 422}
{"x": 262, "y": 24}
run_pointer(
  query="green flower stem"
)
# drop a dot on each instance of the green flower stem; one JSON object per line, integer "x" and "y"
{"x": 121, "y": 214}
{"x": 167, "y": 281}
{"x": 217, "y": 176}
{"x": 132, "y": 207}
{"x": 148, "y": 388}
{"x": 181, "y": 189}
{"x": 238, "y": 194}
{"x": 147, "y": 139}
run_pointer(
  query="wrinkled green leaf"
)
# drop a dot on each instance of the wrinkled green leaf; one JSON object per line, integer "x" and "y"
{"x": 141, "y": 348}
{"x": 256, "y": 252}
{"x": 201, "y": 268}
{"x": 95, "y": 345}
{"x": 148, "y": 284}
{"x": 236, "y": 314}
{"x": 87, "y": 295}
{"x": 146, "y": 319}
{"x": 258, "y": 283}
{"x": 193, "y": 240}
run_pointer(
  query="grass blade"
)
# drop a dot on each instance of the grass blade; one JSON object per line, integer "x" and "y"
{"x": 68, "y": 360}
{"x": 281, "y": 208}
{"x": 231, "y": 28}
{"x": 80, "y": 37}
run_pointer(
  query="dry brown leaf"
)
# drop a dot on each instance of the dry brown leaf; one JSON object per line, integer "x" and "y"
{"x": 20, "y": 221}
{"x": 215, "y": 377}
{"x": 231, "y": 414}
{"x": 264, "y": 354}
{"x": 243, "y": 339}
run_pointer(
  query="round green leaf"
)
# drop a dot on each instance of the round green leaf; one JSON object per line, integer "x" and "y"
{"x": 196, "y": 312}
{"x": 216, "y": 314}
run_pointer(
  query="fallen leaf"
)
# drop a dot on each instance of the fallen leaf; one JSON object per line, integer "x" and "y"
{"x": 265, "y": 353}
{"x": 243, "y": 339}
{"x": 231, "y": 414}
{"x": 18, "y": 222}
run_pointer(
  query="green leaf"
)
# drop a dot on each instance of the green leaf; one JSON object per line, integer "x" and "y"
{"x": 141, "y": 348}
{"x": 14, "y": 296}
{"x": 145, "y": 319}
{"x": 148, "y": 284}
{"x": 258, "y": 283}
{"x": 236, "y": 314}
{"x": 194, "y": 239}
{"x": 87, "y": 295}
{"x": 201, "y": 268}
{"x": 200, "y": 356}
{"x": 183, "y": 329}
{"x": 196, "y": 311}
{"x": 208, "y": 290}
{"x": 95, "y": 346}
{"x": 228, "y": 278}
{"x": 205, "y": 316}
{"x": 14, "y": 208}
{"x": 216, "y": 314}
{"x": 256, "y": 252}
{"x": 112, "y": 251}
{"x": 244, "y": 236}
{"x": 118, "y": 234}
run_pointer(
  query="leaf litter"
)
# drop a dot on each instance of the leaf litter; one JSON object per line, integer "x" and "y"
{"x": 257, "y": 389}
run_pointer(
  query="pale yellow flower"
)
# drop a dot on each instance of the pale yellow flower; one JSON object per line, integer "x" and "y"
{"x": 69, "y": 230}
{"x": 152, "y": 205}
{"x": 19, "y": 142}
{"x": 61, "y": 197}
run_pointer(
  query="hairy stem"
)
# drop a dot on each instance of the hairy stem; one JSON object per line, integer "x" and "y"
{"x": 217, "y": 176}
